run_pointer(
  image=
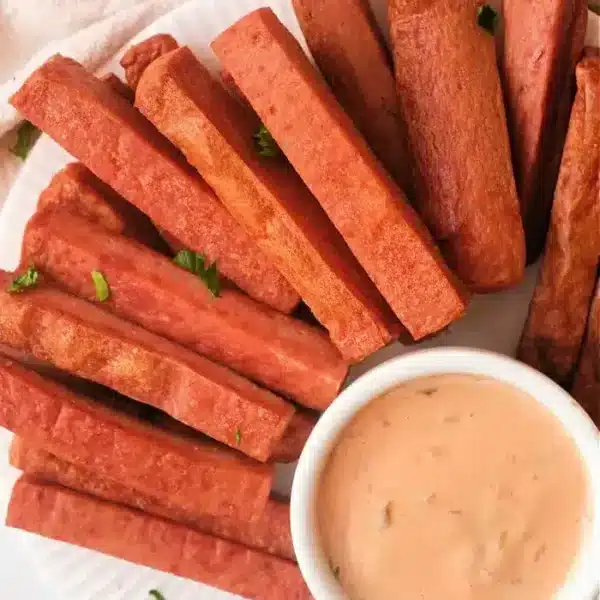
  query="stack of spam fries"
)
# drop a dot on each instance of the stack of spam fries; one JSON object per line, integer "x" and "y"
{"x": 152, "y": 366}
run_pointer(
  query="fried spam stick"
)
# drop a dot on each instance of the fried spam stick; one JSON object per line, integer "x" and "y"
{"x": 139, "y": 56}
{"x": 542, "y": 43}
{"x": 196, "y": 476}
{"x": 267, "y": 197}
{"x": 330, "y": 155}
{"x": 86, "y": 341}
{"x": 100, "y": 128}
{"x": 77, "y": 190}
{"x": 451, "y": 101}
{"x": 61, "y": 514}
{"x": 270, "y": 532}
{"x": 555, "y": 327}
{"x": 126, "y": 92}
{"x": 287, "y": 450}
{"x": 351, "y": 56}
{"x": 282, "y": 353}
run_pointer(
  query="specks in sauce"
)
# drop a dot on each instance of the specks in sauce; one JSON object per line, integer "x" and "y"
{"x": 386, "y": 518}
{"x": 430, "y": 391}
{"x": 437, "y": 451}
{"x": 335, "y": 569}
{"x": 502, "y": 539}
{"x": 431, "y": 499}
{"x": 539, "y": 553}
{"x": 449, "y": 419}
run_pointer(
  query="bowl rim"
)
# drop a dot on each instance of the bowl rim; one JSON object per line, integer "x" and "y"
{"x": 583, "y": 581}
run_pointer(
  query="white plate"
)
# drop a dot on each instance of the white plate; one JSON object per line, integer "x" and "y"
{"x": 493, "y": 322}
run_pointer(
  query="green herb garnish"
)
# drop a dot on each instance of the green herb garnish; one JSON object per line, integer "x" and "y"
{"x": 101, "y": 285}
{"x": 196, "y": 263}
{"x": 156, "y": 595}
{"x": 238, "y": 437}
{"x": 487, "y": 18}
{"x": 27, "y": 135}
{"x": 265, "y": 144}
{"x": 22, "y": 282}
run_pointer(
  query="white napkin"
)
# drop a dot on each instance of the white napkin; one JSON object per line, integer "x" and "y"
{"x": 91, "y": 31}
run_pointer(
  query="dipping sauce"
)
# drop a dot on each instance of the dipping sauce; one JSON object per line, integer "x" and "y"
{"x": 453, "y": 487}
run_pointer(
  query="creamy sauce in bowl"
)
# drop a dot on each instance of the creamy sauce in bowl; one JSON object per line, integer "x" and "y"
{"x": 452, "y": 486}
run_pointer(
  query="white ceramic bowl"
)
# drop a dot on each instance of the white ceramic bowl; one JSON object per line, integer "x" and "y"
{"x": 584, "y": 579}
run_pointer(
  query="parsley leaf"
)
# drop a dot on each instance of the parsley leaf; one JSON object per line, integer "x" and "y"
{"x": 26, "y": 280}
{"x": 196, "y": 263}
{"x": 186, "y": 259}
{"x": 487, "y": 18}
{"x": 265, "y": 144}
{"x": 101, "y": 285}
{"x": 156, "y": 595}
{"x": 27, "y": 135}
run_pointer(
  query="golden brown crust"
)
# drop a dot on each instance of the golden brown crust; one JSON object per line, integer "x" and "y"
{"x": 359, "y": 196}
{"x": 351, "y": 56}
{"x": 86, "y": 341}
{"x": 231, "y": 86}
{"x": 451, "y": 101}
{"x": 137, "y": 58}
{"x": 267, "y": 197}
{"x": 542, "y": 43}
{"x": 61, "y": 514}
{"x": 121, "y": 148}
{"x": 555, "y": 327}
{"x": 194, "y": 475}
{"x": 270, "y": 532}
{"x": 287, "y": 450}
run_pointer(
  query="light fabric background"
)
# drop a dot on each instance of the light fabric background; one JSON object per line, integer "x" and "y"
{"x": 90, "y": 31}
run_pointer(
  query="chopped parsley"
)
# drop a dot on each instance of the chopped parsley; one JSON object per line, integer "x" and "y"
{"x": 27, "y": 280}
{"x": 27, "y": 135}
{"x": 265, "y": 144}
{"x": 238, "y": 437}
{"x": 156, "y": 595}
{"x": 487, "y": 18}
{"x": 196, "y": 263}
{"x": 101, "y": 285}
